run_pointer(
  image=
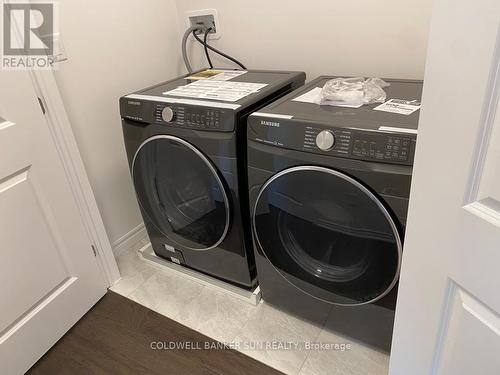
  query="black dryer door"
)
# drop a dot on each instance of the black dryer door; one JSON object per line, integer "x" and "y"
{"x": 328, "y": 235}
{"x": 180, "y": 192}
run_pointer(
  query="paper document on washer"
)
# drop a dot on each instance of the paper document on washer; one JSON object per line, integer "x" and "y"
{"x": 227, "y": 75}
{"x": 403, "y": 107}
{"x": 216, "y": 74}
{"x": 227, "y": 91}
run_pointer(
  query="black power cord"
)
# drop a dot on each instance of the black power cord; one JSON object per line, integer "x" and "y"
{"x": 205, "y": 38}
{"x": 206, "y": 45}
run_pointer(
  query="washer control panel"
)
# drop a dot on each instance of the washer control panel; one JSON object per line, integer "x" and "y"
{"x": 179, "y": 115}
{"x": 190, "y": 117}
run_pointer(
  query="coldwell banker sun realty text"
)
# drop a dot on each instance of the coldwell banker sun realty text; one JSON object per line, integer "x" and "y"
{"x": 30, "y": 31}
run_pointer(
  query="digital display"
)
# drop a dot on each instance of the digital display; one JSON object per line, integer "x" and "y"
{"x": 381, "y": 147}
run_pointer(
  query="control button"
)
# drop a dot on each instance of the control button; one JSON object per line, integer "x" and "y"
{"x": 325, "y": 140}
{"x": 167, "y": 114}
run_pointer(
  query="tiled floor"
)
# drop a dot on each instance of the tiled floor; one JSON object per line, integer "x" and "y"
{"x": 228, "y": 319}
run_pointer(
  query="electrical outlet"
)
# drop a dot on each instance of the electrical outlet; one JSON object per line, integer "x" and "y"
{"x": 207, "y": 18}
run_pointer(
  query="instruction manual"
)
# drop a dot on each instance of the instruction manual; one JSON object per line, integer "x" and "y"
{"x": 403, "y": 107}
{"x": 224, "y": 90}
{"x": 216, "y": 74}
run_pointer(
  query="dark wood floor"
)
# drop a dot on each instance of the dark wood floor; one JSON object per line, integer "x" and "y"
{"x": 115, "y": 338}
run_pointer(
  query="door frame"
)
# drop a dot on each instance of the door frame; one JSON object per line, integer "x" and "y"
{"x": 59, "y": 125}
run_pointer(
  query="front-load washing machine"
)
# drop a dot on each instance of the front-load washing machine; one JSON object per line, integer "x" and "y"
{"x": 329, "y": 189}
{"x": 186, "y": 146}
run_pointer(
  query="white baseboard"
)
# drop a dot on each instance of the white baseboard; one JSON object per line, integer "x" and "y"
{"x": 129, "y": 240}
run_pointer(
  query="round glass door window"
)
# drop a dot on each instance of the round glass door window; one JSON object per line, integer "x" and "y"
{"x": 181, "y": 193}
{"x": 328, "y": 235}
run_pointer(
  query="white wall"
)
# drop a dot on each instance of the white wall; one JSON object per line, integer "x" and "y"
{"x": 385, "y": 38}
{"x": 114, "y": 47}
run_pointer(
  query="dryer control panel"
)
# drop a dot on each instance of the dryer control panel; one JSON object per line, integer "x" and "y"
{"x": 383, "y": 147}
{"x": 313, "y": 139}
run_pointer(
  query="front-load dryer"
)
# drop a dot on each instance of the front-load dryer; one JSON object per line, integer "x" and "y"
{"x": 186, "y": 146}
{"x": 329, "y": 189}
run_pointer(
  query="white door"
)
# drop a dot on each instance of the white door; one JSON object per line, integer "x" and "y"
{"x": 49, "y": 276}
{"x": 448, "y": 313}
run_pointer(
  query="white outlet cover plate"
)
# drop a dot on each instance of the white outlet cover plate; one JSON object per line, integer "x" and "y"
{"x": 206, "y": 12}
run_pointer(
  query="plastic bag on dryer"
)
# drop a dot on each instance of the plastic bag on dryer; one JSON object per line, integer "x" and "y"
{"x": 353, "y": 92}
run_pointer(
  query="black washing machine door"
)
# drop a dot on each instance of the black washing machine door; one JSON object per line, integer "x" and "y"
{"x": 328, "y": 235}
{"x": 181, "y": 192}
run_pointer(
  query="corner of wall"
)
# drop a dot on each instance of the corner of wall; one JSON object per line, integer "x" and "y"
{"x": 130, "y": 240}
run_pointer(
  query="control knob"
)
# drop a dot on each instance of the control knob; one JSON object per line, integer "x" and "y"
{"x": 325, "y": 140}
{"x": 167, "y": 114}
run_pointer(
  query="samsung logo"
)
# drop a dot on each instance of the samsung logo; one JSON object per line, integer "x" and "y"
{"x": 133, "y": 103}
{"x": 270, "y": 123}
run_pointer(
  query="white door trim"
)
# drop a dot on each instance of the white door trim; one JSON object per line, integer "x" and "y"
{"x": 60, "y": 128}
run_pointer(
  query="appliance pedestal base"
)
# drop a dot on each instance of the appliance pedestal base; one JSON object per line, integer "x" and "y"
{"x": 250, "y": 296}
